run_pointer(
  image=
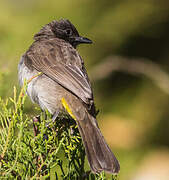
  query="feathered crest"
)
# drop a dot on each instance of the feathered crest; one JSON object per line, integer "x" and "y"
{"x": 45, "y": 31}
{"x": 55, "y": 28}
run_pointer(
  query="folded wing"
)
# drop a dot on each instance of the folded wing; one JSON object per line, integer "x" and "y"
{"x": 64, "y": 65}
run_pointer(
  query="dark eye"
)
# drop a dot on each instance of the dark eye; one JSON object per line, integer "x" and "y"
{"x": 68, "y": 32}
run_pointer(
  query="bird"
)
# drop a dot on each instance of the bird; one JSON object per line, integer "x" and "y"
{"x": 54, "y": 54}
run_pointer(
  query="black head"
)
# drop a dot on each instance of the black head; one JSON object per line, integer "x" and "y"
{"x": 65, "y": 30}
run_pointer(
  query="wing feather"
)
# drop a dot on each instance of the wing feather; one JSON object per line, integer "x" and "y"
{"x": 64, "y": 66}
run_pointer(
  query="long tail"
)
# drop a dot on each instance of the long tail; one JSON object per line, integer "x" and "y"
{"x": 99, "y": 155}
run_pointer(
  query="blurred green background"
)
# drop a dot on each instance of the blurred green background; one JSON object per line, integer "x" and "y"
{"x": 132, "y": 93}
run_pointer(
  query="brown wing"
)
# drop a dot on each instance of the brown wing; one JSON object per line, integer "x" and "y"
{"x": 62, "y": 63}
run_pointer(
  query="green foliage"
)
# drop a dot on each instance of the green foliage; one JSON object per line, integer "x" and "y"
{"x": 134, "y": 113}
{"x": 55, "y": 152}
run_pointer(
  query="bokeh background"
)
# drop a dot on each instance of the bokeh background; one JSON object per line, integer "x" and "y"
{"x": 128, "y": 64}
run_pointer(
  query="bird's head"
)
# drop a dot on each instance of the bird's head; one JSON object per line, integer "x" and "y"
{"x": 63, "y": 29}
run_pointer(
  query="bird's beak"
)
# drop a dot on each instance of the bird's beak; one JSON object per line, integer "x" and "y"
{"x": 81, "y": 39}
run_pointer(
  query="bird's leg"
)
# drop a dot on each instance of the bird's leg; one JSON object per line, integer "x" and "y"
{"x": 55, "y": 115}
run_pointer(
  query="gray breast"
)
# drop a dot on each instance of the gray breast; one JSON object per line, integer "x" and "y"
{"x": 42, "y": 90}
{"x": 26, "y": 74}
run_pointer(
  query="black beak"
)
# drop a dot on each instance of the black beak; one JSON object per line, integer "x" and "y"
{"x": 81, "y": 39}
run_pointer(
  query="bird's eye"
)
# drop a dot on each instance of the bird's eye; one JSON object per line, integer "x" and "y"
{"x": 69, "y": 32}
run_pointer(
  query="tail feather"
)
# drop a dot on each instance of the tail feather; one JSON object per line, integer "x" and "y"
{"x": 99, "y": 155}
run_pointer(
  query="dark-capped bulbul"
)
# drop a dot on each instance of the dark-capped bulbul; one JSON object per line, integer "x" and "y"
{"x": 54, "y": 54}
